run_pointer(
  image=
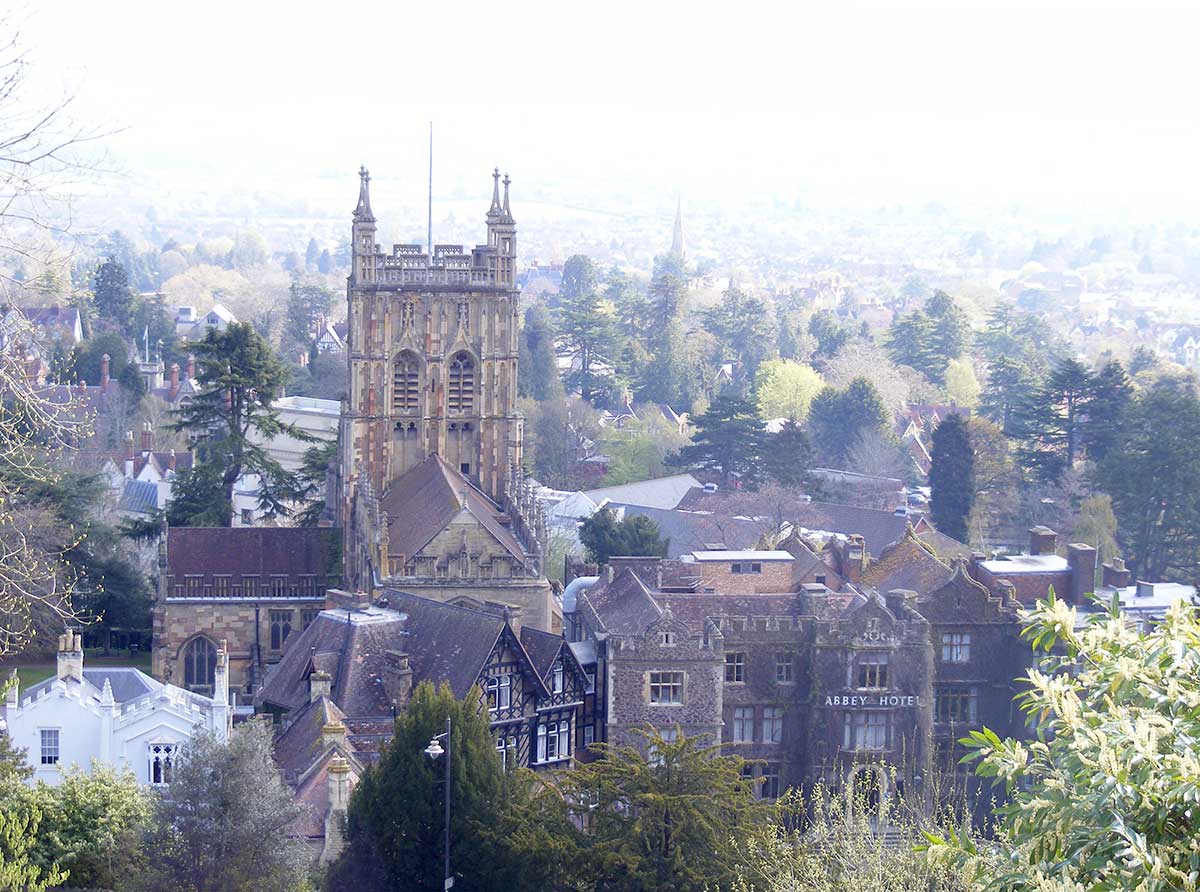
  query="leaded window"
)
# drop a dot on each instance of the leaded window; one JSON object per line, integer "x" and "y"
{"x": 462, "y": 384}
{"x": 955, "y": 704}
{"x": 866, "y": 730}
{"x": 499, "y": 692}
{"x": 784, "y": 667}
{"x": 554, "y": 740}
{"x": 199, "y": 664}
{"x": 281, "y": 627}
{"x": 873, "y": 670}
{"x": 161, "y": 762}
{"x": 666, "y": 688}
{"x": 956, "y": 647}
{"x": 406, "y": 383}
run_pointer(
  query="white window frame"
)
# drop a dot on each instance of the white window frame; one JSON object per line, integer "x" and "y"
{"x": 165, "y": 755}
{"x": 557, "y": 679}
{"x": 956, "y": 647}
{"x": 785, "y": 664}
{"x": 772, "y": 724}
{"x": 743, "y": 724}
{"x": 499, "y": 692}
{"x": 671, "y": 683}
{"x": 866, "y": 730}
{"x": 735, "y": 667}
{"x": 50, "y": 746}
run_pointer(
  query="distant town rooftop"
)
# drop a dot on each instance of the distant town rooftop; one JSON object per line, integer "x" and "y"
{"x": 745, "y": 555}
{"x": 1026, "y": 563}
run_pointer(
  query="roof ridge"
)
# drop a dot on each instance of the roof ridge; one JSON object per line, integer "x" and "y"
{"x": 446, "y": 604}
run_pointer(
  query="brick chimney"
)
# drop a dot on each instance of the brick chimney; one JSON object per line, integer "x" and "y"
{"x": 173, "y": 388}
{"x": 320, "y": 684}
{"x": 1042, "y": 540}
{"x": 70, "y": 655}
{"x": 1115, "y": 574}
{"x": 1081, "y": 559}
{"x": 338, "y": 775}
{"x": 191, "y": 366}
{"x": 104, "y": 366}
{"x": 397, "y": 678}
{"x": 851, "y": 558}
{"x": 147, "y": 437}
{"x": 333, "y": 733}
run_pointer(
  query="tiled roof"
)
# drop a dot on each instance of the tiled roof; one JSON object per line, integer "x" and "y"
{"x": 907, "y": 564}
{"x": 543, "y": 648}
{"x": 139, "y": 496}
{"x": 664, "y": 492}
{"x": 298, "y": 746}
{"x": 944, "y": 546}
{"x": 623, "y": 606}
{"x": 688, "y": 531}
{"x": 427, "y": 497}
{"x": 249, "y": 550}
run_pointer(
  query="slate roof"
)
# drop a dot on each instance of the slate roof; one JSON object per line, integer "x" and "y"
{"x": 543, "y": 648}
{"x": 249, "y": 550}
{"x": 299, "y": 746}
{"x": 624, "y": 605}
{"x": 907, "y": 564}
{"x": 127, "y": 684}
{"x": 444, "y": 643}
{"x": 422, "y": 502}
{"x": 945, "y": 547}
{"x": 878, "y": 528}
{"x": 663, "y": 492}
{"x": 688, "y": 531}
{"x": 139, "y": 496}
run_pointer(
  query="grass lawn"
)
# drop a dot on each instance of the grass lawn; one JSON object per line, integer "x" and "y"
{"x": 31, "y": 673}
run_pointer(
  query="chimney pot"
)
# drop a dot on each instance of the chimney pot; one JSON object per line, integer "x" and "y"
{"x": 147, "y": 437}
{"x": 173, "y": 390}
{"x": 104, "y": 369}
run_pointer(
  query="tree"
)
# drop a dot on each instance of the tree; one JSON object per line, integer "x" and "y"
{"x": 233, "y": 414}
{"x": 877, "y": 453}
{"x": 839, "y": 418}
{"x": 729, "y": 439}
{"x": 1008, "y": 391}
{"x": 588, "y": 328}
{"x": 395, "y": 820}
{"x": 308, "y": 303}
{"x": 18, "y": 831}
{"x": 312, "y": 254}
{"x": 313, "y": 478}
{"x": 1104, "y": 797}
{"x": 639, "y": 451}
{"x": 559, "y": 434}
{"x": 249, "y": 249}
{"x": 951, "y": 332}
{"x": 743, "y": 327}
{"x": 952, "y": 477}
{"x": 910, "y": 343}
{"x": 865, "y": 360}
{"x": 325, "y": 263}
{"x": 829, "y": 333}
{"x": 537, "y": 364}
{"x": 962, "y": 387}
{"x": 1107, "y": 404}
{"x": 112, "y": 295}
{"x": 786, "y": 389}
{"x": 1153, "y": 476}
{"x": 580, "y": 276}
{"x": 1097, "y": 526}
{"x": 224, "y": 821}
{"x": 199, "y": 497}
{"x": 605, "y": 537}
{"x": 663, "y": 815}
{"x": 788, "y": 457}
{"x": 665, "y": 379}
{"x": 1051, "y": 423}
{"x": 88, "y": 356}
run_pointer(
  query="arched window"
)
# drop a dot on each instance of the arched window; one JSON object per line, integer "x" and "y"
{"x": 199, "y": 664}
{"x": 406, "y": 383}
{"x": 162, "y": 760}
{"x": 462, "y": 383}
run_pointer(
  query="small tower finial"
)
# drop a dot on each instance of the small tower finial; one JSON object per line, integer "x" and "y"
{"x": 363, "y": 210}
{"x": 496, "y": 207}
{"x": 506, "y": 182}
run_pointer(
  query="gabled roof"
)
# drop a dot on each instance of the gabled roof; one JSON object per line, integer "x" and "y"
{"x": 139, "y": 496}
{"x": 663, "y": 492}
{"x": 543, "y": 648}
{"x": 297, "y": 748}
{"x": 907, "y": 564}
{"x": 623, "y": 606}
{"x": 427, "y": 498}
{"x": 688, "y": 531}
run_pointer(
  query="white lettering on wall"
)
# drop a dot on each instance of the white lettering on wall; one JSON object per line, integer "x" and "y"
{"x": 852, "y": 700}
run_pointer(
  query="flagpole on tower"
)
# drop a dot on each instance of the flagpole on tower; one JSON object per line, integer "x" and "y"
{"x": 429, "y": 233}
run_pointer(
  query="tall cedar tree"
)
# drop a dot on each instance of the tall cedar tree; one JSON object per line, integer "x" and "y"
{"x": 951, "y": 330}
{"x": 910, "y": 343}
{"x": 199, "y": 497}
{"x": 663, "y": 816}
{"x": 788, "y": 458}
{"x": 312, "y": 253}
{"x": 1153, "y": 476}
{"x": 666, "y": 377}
{"x": 538, "y": 376}
{"x": 1108, "y": 402}
{"x": 225, "y": 821}
{"x": 1052, "y": 422}
{"x": 605, "y": 537}
{"x": 313, "y": 477}
{"x": 589, "y": 329}
{"x": 730, "y": 439}
{"x": 233, "y": 415}
{"x": 112, "y": 296}
{"x": 952, "y": 477}
{"x": 395, "y": 821}
{"x": 743, "y": 328}
{"x": 1008, "y": 390}
{"x": 828, "y": 331}
{"x": 838, "y": 419}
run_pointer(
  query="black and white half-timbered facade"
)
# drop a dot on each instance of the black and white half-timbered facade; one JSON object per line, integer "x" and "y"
{"x": 368, "y": 657}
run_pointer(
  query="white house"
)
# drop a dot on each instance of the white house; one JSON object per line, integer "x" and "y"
{"x": 121, "y": 717}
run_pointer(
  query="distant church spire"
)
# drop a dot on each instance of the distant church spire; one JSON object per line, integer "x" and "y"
{"x": 496, "y": 207}
{"x": 677, "y": 245}
{"x": 363, "y": 211}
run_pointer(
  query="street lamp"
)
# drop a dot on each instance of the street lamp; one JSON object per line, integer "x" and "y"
{"x": 434, "y": 752}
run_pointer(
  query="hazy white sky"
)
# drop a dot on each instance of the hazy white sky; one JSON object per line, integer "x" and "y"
{"x": 1066, "y": 105}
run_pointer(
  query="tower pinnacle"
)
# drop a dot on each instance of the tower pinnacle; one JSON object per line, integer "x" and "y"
{"x": 495, "y": 208}
{"x": 507, "y": 212}
{"x": 363, "y": 211}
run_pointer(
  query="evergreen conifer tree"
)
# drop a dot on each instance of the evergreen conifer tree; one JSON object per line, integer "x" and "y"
{"x": 788, "y": 457}
{"x": 730, "y": 439}
{"x": 112, "y": 295}
{"x": 1052, "y": 421}
{"x": 952, "y": 477}
{"x": 538, "y": 376}
{"x": 1008, "y": 390}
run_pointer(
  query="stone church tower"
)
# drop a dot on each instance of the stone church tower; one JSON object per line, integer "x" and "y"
{"x": 432, "y": 350}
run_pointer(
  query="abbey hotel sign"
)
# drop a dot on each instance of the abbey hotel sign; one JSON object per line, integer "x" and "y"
{"x": 872, "y": 700}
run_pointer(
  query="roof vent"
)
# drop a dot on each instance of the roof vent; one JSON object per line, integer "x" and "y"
{"x": 902, "y": 511}
{"x": 710, "y": 487}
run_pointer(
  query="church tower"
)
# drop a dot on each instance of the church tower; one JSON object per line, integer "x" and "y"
{"x": 432, "y": 351}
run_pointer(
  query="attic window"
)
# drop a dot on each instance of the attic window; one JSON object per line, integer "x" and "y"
{"x": 666, "y": 638}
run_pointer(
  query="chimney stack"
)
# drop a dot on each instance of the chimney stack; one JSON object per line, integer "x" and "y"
{"x": 191, "y": 366}
{"x": 851, "y": 558}
{"x": 338, "y": 775}
{"x": 333, "y": 733}
{"x": 320, "y": 684}
{"x": 173, "y": 389}
{"x": 104, "y": 367}
{"x": 1115, "y": 574}
{"x": 1042, "y": 540}
{"x": 397, "y": 678}
{"x": 70, "y": 655}
{"x": 147, "y": 437}
{"x": 1081, "y": 559}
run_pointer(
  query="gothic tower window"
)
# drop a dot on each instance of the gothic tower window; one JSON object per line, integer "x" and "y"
{"x": 199, "y": 664}
{"x": 462, "y": 384}
{"x": 406, "y": 383}
{"x": 161, "y": 761}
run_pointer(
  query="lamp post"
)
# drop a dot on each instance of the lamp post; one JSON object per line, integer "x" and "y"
{"x": 433, "y": 751}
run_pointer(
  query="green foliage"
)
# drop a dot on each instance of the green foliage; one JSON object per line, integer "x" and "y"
{"x": 667, "y": 823}
{"x": 605, "y": 537}
{"x": 640, "y": 450}
{"x": 1108, "y": 403}
{"x": 786, "y": 389}
{"x": 112, "y": 296}
{"x": 838, "y": 419}
{"x": 1096, "y": 524}
{"x": 224, "y": 822}
{"x": 558, "y": 433}
{"x": 665, "y": 379}
{"x": 962, "y": 387}
{"x": 233, "y": 416}
{"x": 395, "y": 821}
{"x": 910, "y": 343}
{"x": 588, "y": 327}
{"x": 13, "y": 766}
{"x": 1009, "y": 389}
{"x": 828, "y": 331}
{"x": 952, "y": 477}
{"x": 199, "y": 497}
{"x": 729, "y": 440}
{"x": 538, "y": 376}
{"x": 743, "y": 327}
{"x": 312, "y": 476}
{"x": 1105, "y": 796}
{"x": 307, "y": 303}
{"x": 1051, "y": 422}
{"x": 1153, "y": 476}
{"x": 788, "y": 458}
{"x": 86, "y": 359}
{"x": 951, "y": 334}
{"x": 18, "y": 871}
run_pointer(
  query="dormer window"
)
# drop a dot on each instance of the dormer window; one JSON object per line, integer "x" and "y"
{"x": 557, "y": 680}
{"x": 666, "y": 638}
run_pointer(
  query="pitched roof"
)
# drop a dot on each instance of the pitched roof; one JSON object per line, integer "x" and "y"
{"x": 907, "y": 564}
{"x": 624, "y": 605}
{"x": 688, "y": 531}
{"x": 663, "y": 492}
{"x": 543, "y": 648}
{"x": 945, "y": 547}
{"x": 422, "y": 502}
{"x": 249, "y": 550}
{"x": 139, "y": 496}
